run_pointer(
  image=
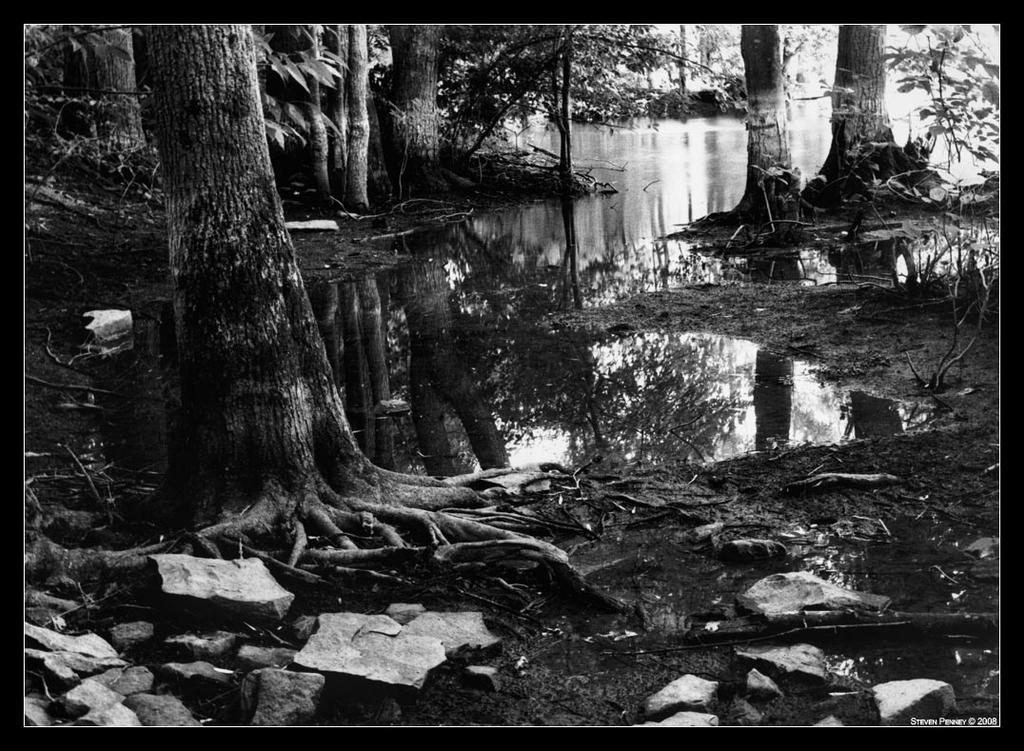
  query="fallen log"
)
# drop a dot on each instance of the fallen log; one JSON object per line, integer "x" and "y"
{"x": 828, "y": 480}
{"x": 985, "y": 625}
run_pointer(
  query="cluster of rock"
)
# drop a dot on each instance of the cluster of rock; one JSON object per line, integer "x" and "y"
{"x": 90, "y": 681}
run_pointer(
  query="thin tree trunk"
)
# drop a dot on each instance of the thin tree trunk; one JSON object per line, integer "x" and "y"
{"x": 682, "y": 61}
{"x": 336, "y": 41}
{"x": 565, "y": 116}
{"x": 767, "y": 136}
{"x": 359, "y": 121}
{"x": 359, "y": 401}
{"x": 375, "y": 346}
{"x": 378, "y": 181}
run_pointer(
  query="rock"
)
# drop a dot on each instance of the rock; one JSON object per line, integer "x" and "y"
{"x": 455, "y": 630}
{"x": 162, "y": 710}
{"x": 303, "y": 627}
{"x": 114, "y": 716}
{"x": 829, "y": 722}
{"x": 689, "y": 693}
{"x": 133, "y": 680}
{"x": 68, "y": 668}
{"x": 109, "y": 325}
{"x": 254, "y": 658}
{"x": 125, "y": 636}
{"x": 685, "y": 720}
{"x": 87, "y": 696}
{"x": 392, "y": 407}
{"x": 37, "y": 712}
{"x": 984, "y": 547}
{"x": 751, "y": 550}
{"x": 199, "y": 676}
{"x": 90, "y": 645}
{"x": 922, "y": 698}
{"x": 800, "y": 590}
{"x": 279, "y": 697}
{"x": 760, "y": 687}
{"x": 371, "y": 647}
{"x": 242, "y": 589}
{"x": 803, "y": 661}
{"x": 483, "y": 677}
{"x": 706, "y": 531}
{"x": 204, "y": 646}
{"x": 403, "y": 612}
{"x": 742, "y": 712}
{"x": 313, "y": 225}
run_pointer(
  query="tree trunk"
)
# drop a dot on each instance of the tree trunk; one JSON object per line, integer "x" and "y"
{"x": 336, "y": 41}
{"x": 858, "y": 99}
{"x": 358, "y": 391}
{"x": 359, "y": 121}
{"x": 414, "y": 119}
{"x": 682, "y": 61}
{"x": 259, "y": 410}
{"x": 767, "y": 136}
{"x": 374, "y": 315}
{"x": 99, "y": 72}
{"x": 379, "y": 183}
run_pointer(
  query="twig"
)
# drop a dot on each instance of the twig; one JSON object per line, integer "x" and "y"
{"x": 68, "y": 387}
{"x": 88, "y": 478}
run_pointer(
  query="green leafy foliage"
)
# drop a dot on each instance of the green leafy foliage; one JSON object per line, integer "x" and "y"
{"x": 951, "y": 65}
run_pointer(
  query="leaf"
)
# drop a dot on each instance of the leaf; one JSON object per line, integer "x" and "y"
{"x": 938, "y": 194}
{"x": 905, "y": 87}
{"x": 914, "y": 29}
{"x": 296, "y": 74}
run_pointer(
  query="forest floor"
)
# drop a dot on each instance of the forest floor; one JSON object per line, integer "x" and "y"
{"x": 559, "y": 664}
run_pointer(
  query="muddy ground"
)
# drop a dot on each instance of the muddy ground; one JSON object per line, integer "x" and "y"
{"x": 89, "y": 249}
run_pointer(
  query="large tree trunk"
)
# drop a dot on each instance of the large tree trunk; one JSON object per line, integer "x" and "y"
{"x": 378, "y": 180}
{"x": 359, "y": 120}
{"x": 767, "y": 136}
{"x": 100, "y": 73}
{"x": 414, "y": 119}
{"x": 858, "y": 98}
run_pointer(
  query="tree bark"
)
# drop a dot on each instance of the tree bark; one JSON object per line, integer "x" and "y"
{"x": 414, "y": 119}
{"x": 767, "y": 136}
{"x": 858, "y": 99}
{"x": 378, "y": 181}
{"x": 359, "y": 121}
{"x": 336, "y": 41}
{"x": 259, "y": 411}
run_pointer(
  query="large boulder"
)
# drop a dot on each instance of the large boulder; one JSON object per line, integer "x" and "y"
{"x": 798, "y": 661}
{"x": 371, "y": 648}
{"x": 280, "y": 697}
{"x": 455, "y": 630}
{"x": 801, "y": 590}
{"x": 239, "y": 589}
{"x": 689, "y": 693}
{"x": 921, "y": 698}
{"x": 161, "y": 711}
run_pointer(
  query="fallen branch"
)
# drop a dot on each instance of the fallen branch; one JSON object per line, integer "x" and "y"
{"x": 828, "y": 480}
{"x": 67, "y": 387}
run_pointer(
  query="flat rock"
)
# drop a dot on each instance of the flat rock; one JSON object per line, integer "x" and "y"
{"x": 455, "y": 630}
{"x": 313, "y": 225}
{"x": 689, "y": 693}
{"x": 742, "y": 712}
{"x": 112, "y": 716}
{"x": 898, "y": 701}
{"x": 87, "y": 696}
{"x": 163, "y": 710}
{"x": 68, "y": 668}
{"x": 255, "y": 658}
{"x": 90, "y": 645}
{"x": 403, "y": 612}
{"x": 984, "y": 547}
{"x": 685, "y": 720}
{"x": 749, "y": 549}
{"x": 280, "y": 697}
{"x": 760, "y": 687}
{"x": 37, "y": 712}
{"x": 133, "y": 680}
{"x": 372, "y": 647}
{"x": 196, "y": 674}
{"x": 204, "y": 646}
{"x": 482, "y": 676}
{"x": 125, "y": 636}
{"x": 829, "y": 722}
{"x": 241, "y": 588}
{"x": 803, "y": 661}
{"x": 801, "y": 590}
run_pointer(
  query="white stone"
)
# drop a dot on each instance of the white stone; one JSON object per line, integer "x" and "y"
{"x": 240, "y": 588}
{"x": 108, "y": 325}
{"x": 88, "y": 696}
{"x": 684, "y": 720}
{"x": 898, "y": 701}
{"x": 90, "y": 645}
{"x": 797, "y": 660}
{"x": 800, "y": 590}
{"x": 373, "y": 647}
{"x": 455, "y": 630}
{"x": 760, "y": 687}
{"x": 113, "y": 715}
{"x": 690, "y": 693}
